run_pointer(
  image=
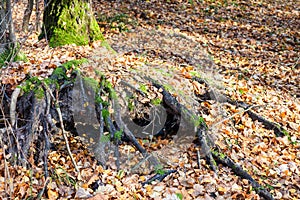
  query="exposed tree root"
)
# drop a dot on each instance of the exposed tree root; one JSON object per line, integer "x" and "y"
{"x": 207, "y": 146}
{"x": 129, "y": 135}
{"x": 238, "y": 170}
{"x": 215, "y": 95}
{"x": 54, "y": 105}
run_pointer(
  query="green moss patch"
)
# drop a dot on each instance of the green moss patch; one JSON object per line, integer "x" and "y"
{"x": 75, "y": 25}
{"x": 10, "y": 53}
{"x": 74, "y": 63}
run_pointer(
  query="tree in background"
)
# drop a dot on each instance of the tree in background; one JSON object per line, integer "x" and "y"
{"x": 8, "y": 41}
{"x": 69, "y": 22}
{"x": 27, "y": 15}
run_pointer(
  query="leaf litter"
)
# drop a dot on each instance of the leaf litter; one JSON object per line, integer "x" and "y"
{"x": 255, "y": 50}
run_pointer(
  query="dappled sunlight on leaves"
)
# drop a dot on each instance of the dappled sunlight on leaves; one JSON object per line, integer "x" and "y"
{"x": 248, "y": 50}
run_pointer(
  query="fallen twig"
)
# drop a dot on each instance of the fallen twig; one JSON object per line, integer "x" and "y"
{"x": 40, "y": 195}
{"x": 232, "y": 116}
{"x": 159, "y": 176}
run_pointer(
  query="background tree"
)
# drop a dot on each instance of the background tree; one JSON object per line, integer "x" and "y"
{"x": 8, "y": 41}
{"x": 27, "y": 14}
{"x": 70, "y": 22}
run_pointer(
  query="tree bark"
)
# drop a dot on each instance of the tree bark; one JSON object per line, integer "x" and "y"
{"x": 3, "y": 38}
{"x": 11, "y": 28}
{"x": 8, "y": 41}
{"x": 27, "y": 15}
{"x": 38, "y": 15}
{"x": 70, "y": 22}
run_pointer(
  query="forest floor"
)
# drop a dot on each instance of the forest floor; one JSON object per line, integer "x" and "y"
{"x": 254, "y": 52}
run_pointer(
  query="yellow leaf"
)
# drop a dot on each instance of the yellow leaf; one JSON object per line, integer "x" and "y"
{"x": 221, "y": 190}
{"x": 85, "y": 186}
{"x": 26, "y": 179}
{"x": 148, "y": 188}
{"x": 52, "y": 194}
{"x": 292, "y": 190}
{"x": 206, "y": 180}
{"x": 142, "y": 178}
{"x": 120, "y": 188}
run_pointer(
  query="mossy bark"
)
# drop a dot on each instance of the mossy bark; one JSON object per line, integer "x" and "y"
{"x": 70, "y": 22}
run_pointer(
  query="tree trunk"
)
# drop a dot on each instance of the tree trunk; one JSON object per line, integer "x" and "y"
{"x": 3, "y": 38}
{"x": 11, "y": 28}
{"x": 27, "y": 15}
{"x": 70, "y": 22}
{"x": 38, "y": 15}
{"x": 8, "y": 41}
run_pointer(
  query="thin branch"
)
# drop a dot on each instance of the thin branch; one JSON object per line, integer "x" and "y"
{"x": 62, "y": 127}
{"x": 6, "y": 169}
{"x": 296, "y": 63}
{"x": 40, "y": 195}
{"x": 235, "y": 114}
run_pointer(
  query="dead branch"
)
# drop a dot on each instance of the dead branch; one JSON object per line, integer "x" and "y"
{"x": 13, "y": 105}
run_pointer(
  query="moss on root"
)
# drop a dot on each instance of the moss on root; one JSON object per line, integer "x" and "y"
{"x": 74, "y": 63}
